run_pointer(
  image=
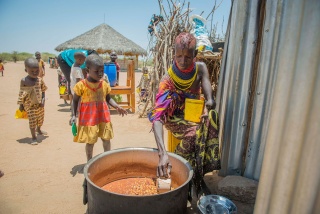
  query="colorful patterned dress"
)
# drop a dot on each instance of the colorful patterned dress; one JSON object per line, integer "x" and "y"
{"x": 94, "y": 114}
{"x": 199, "y": 142}
{"x": 30, "y": 97}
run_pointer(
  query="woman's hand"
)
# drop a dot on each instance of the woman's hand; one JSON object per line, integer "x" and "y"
{"x": 164, "y": 166}
{"x": 209, "y": 104}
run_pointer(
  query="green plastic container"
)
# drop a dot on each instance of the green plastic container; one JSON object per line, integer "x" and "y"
{"x": 74, "y": 129}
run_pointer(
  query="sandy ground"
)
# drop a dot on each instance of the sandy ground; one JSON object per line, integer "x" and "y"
{"x": 47, "y": 178}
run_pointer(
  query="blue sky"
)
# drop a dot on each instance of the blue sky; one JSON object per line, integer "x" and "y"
{"x": 41, "y": 25}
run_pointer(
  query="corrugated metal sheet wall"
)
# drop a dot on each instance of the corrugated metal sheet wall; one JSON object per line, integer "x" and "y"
{"x": 233, "y": 99}
{"x": 291, "y": 163}
{"x": 258, "y": 32}
{"x": 269, "y": 102}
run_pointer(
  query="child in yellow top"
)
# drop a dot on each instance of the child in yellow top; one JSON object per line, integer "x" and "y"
{"x": 94, "y": 115}
{"x": 1, "y": 67}
{"x": 42, "y": 70}
{"x": 32, "y": 97}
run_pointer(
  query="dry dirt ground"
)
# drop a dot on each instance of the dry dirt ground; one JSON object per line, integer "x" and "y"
{"x": 47, "y": 178}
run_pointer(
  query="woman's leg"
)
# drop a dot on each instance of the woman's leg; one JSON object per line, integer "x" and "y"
{"x": 66, "y": 70}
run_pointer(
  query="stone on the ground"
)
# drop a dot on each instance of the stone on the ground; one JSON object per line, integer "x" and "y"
{"x": 238, "y": 188}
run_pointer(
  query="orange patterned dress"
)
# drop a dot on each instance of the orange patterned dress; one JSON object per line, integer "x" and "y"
{"x": 94, "y": 114}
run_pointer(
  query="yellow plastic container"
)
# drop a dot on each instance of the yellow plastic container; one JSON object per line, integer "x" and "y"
{"x": 62, "y": 89}
{"x": 21, "y": 114}
{"x": 172, "y": 142}
{"x": 193, "y": 110}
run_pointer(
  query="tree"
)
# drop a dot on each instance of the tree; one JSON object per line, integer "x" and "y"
{"x": 15, "y": 56}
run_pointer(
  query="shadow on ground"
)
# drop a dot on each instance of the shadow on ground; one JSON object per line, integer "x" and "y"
{"x": 77, "y": 169}
{"x": 64, "y": 110}
{"x": 63, "y": 105}
{"x": 28, "y": 140}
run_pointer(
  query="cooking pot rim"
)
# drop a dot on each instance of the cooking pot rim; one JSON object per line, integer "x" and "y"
{"x": 86, "y": 167}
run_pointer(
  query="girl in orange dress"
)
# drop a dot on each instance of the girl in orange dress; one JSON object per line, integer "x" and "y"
{"x": 94, "y": 115}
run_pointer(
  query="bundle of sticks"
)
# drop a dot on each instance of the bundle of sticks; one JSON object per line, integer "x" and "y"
{"x": 161, "y": 45}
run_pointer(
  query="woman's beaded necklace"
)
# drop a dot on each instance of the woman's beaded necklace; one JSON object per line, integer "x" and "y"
{"x": 182, "y": 80}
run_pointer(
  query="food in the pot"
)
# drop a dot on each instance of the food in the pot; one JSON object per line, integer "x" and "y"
{"x": 132, "y": 186}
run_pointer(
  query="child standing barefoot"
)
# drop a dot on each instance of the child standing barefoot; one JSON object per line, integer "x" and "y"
{"x": 76, "y": 73}
{"x": 1, "y": 67}
{"x": 94, "y": 114}
{"x": 32, "y": 97}
{"x": 42, "y": 69}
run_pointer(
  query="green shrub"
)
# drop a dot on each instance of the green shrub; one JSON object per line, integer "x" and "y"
{"x": 6, "y": 57}
{"x": 117, "y": 97}
{"x": 16, "y": 56}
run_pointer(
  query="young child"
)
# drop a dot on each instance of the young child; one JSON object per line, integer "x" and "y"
{"x": 1, "y": 67}
{"x": 94, "y": 114}
{"x": 113, "y": 58}
{"x": 143, "y": 85}
{"x": 32, "y": 98}
{"x": 63, "y": 82}
{"x": 42, "y": 70}
{"x": 76, "y": 73}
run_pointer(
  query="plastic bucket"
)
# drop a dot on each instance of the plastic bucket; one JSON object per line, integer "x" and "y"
{"x": 172, "y": 142}
{"x": 111, "y": 71}
{"x": 193, "y": 110}
{"x": 62, "y": 89}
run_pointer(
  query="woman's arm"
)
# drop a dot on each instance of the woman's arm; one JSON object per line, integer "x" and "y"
{"x": 164, "y": 165}
{"x": 206, "y": 86}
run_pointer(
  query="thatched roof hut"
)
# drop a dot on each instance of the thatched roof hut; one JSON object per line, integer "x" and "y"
{"x": 103, "y": 39}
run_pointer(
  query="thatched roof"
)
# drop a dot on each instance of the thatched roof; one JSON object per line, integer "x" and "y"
{"x": 103, "y": 39}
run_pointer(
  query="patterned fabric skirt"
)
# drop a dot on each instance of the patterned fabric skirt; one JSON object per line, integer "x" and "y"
{"x": 94, "y": 122}
{"x": 199, "y": 144}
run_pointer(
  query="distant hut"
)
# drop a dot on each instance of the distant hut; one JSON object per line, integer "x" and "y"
{"x": 104, "y": 39}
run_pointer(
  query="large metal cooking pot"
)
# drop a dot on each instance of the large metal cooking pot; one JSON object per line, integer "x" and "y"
{"x": 135, "y": 162}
